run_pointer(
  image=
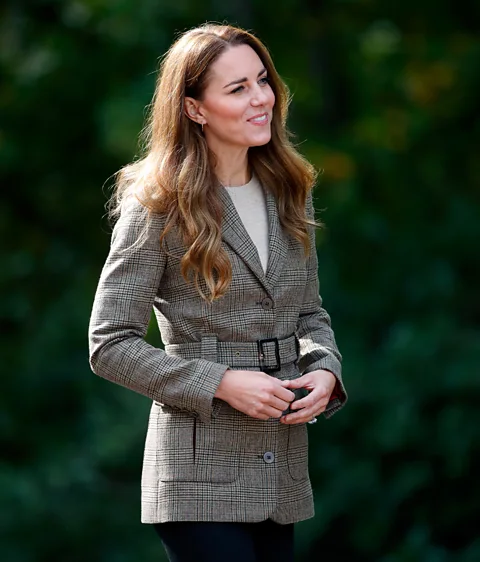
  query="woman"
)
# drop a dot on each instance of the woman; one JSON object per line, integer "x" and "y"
{"x": 216, "y": 232}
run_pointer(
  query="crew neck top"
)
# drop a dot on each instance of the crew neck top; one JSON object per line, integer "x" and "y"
{"x": 251, "y": 206}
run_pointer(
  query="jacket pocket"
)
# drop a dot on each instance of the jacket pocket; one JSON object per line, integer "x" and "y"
{"x": 297, "y": 452}
{"x": 190, "y": 450}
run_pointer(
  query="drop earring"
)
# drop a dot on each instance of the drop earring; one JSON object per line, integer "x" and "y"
{"x": 202, "y": 127}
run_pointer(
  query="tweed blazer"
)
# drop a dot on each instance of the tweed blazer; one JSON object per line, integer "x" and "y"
{"x": 204, "y": 460}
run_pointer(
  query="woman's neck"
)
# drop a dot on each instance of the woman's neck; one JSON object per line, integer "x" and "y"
{"x": 232, "y": 169}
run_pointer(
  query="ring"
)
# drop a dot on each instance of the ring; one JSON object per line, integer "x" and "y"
{"x": 313, "y": 420}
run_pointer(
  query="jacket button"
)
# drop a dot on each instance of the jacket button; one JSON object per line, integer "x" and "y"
{"x": 268, "y": 457}
{"x": 267, "y": 303}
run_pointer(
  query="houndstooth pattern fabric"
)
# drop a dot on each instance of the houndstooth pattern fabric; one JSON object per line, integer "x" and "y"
{"x": 203, "y": 460}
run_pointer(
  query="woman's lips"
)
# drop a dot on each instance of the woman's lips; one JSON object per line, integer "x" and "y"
{"x": 261, "y": 119}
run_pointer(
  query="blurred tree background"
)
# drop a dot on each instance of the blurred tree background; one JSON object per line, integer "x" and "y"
{"x": 385, "y": 102}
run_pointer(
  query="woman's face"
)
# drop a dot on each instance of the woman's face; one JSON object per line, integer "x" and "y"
{"x": 237, "y": 103}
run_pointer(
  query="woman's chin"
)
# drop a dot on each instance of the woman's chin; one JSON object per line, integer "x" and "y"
{"x": 260, "y": 140}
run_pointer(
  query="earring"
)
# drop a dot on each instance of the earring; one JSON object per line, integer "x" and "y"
{"x": 202, "y": 127}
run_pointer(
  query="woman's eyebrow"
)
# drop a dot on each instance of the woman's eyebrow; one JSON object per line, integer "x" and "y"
{"x": 240, "y": 80}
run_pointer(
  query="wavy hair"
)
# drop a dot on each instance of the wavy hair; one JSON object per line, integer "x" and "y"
{"x": 176, "y": 177}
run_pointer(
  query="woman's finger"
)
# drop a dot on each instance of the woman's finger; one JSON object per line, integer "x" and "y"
{"x": 297, "y": 418}
{"x": 315, "y": 397}
{"x": 273, "y": 412}
{"x": 300, "y": 382}
{"x": 306, "y": 414}
{"x": 279, "y": 404}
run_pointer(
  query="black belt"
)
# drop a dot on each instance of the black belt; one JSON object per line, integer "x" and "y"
{"x": 268, "y": 355}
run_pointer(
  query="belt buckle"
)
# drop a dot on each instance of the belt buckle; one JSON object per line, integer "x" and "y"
{"x": 261, "y": 355}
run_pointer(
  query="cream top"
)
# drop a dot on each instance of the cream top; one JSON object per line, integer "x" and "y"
{"x": 249, "y": 200}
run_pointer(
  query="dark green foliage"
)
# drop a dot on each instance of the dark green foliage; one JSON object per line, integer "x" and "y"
{"x": 385, "y": 101}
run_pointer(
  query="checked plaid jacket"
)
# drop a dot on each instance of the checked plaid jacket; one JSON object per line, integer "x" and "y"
{"x": 204, "y": 460}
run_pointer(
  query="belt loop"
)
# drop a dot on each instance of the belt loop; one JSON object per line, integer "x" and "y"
{"x": 209, "y": 347}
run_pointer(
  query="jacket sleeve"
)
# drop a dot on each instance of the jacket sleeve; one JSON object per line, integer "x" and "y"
{"x": 318, "y": 349}
{"x": 121, "y": 312}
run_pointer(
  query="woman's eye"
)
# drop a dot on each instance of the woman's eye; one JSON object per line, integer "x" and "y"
{"x": 263, "y": 82}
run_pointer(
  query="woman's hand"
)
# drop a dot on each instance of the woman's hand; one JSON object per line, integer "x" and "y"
{"x": 254, "y": 393}
{"x": 320, "y": 385}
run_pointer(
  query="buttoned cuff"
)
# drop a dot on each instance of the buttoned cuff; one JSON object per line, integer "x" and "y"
{"x": 202, "y": 399}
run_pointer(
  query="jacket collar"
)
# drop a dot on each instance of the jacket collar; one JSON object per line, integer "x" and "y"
{"x": 238, "y": 239}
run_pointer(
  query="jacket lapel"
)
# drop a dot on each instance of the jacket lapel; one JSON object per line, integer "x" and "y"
{"x": 277, "y": 242}
{"x": 236, "y": 236}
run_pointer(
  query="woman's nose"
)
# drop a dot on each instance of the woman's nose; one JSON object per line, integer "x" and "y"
{"x": 259, "y": 96}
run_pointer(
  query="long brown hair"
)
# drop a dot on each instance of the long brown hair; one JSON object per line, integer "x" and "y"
{"x": 176, "y": 177}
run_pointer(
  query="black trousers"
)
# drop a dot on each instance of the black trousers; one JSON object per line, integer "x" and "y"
{"x": 226, "y": 542}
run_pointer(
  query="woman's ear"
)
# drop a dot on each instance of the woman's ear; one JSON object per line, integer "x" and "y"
{"x": 193, "y": 111}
